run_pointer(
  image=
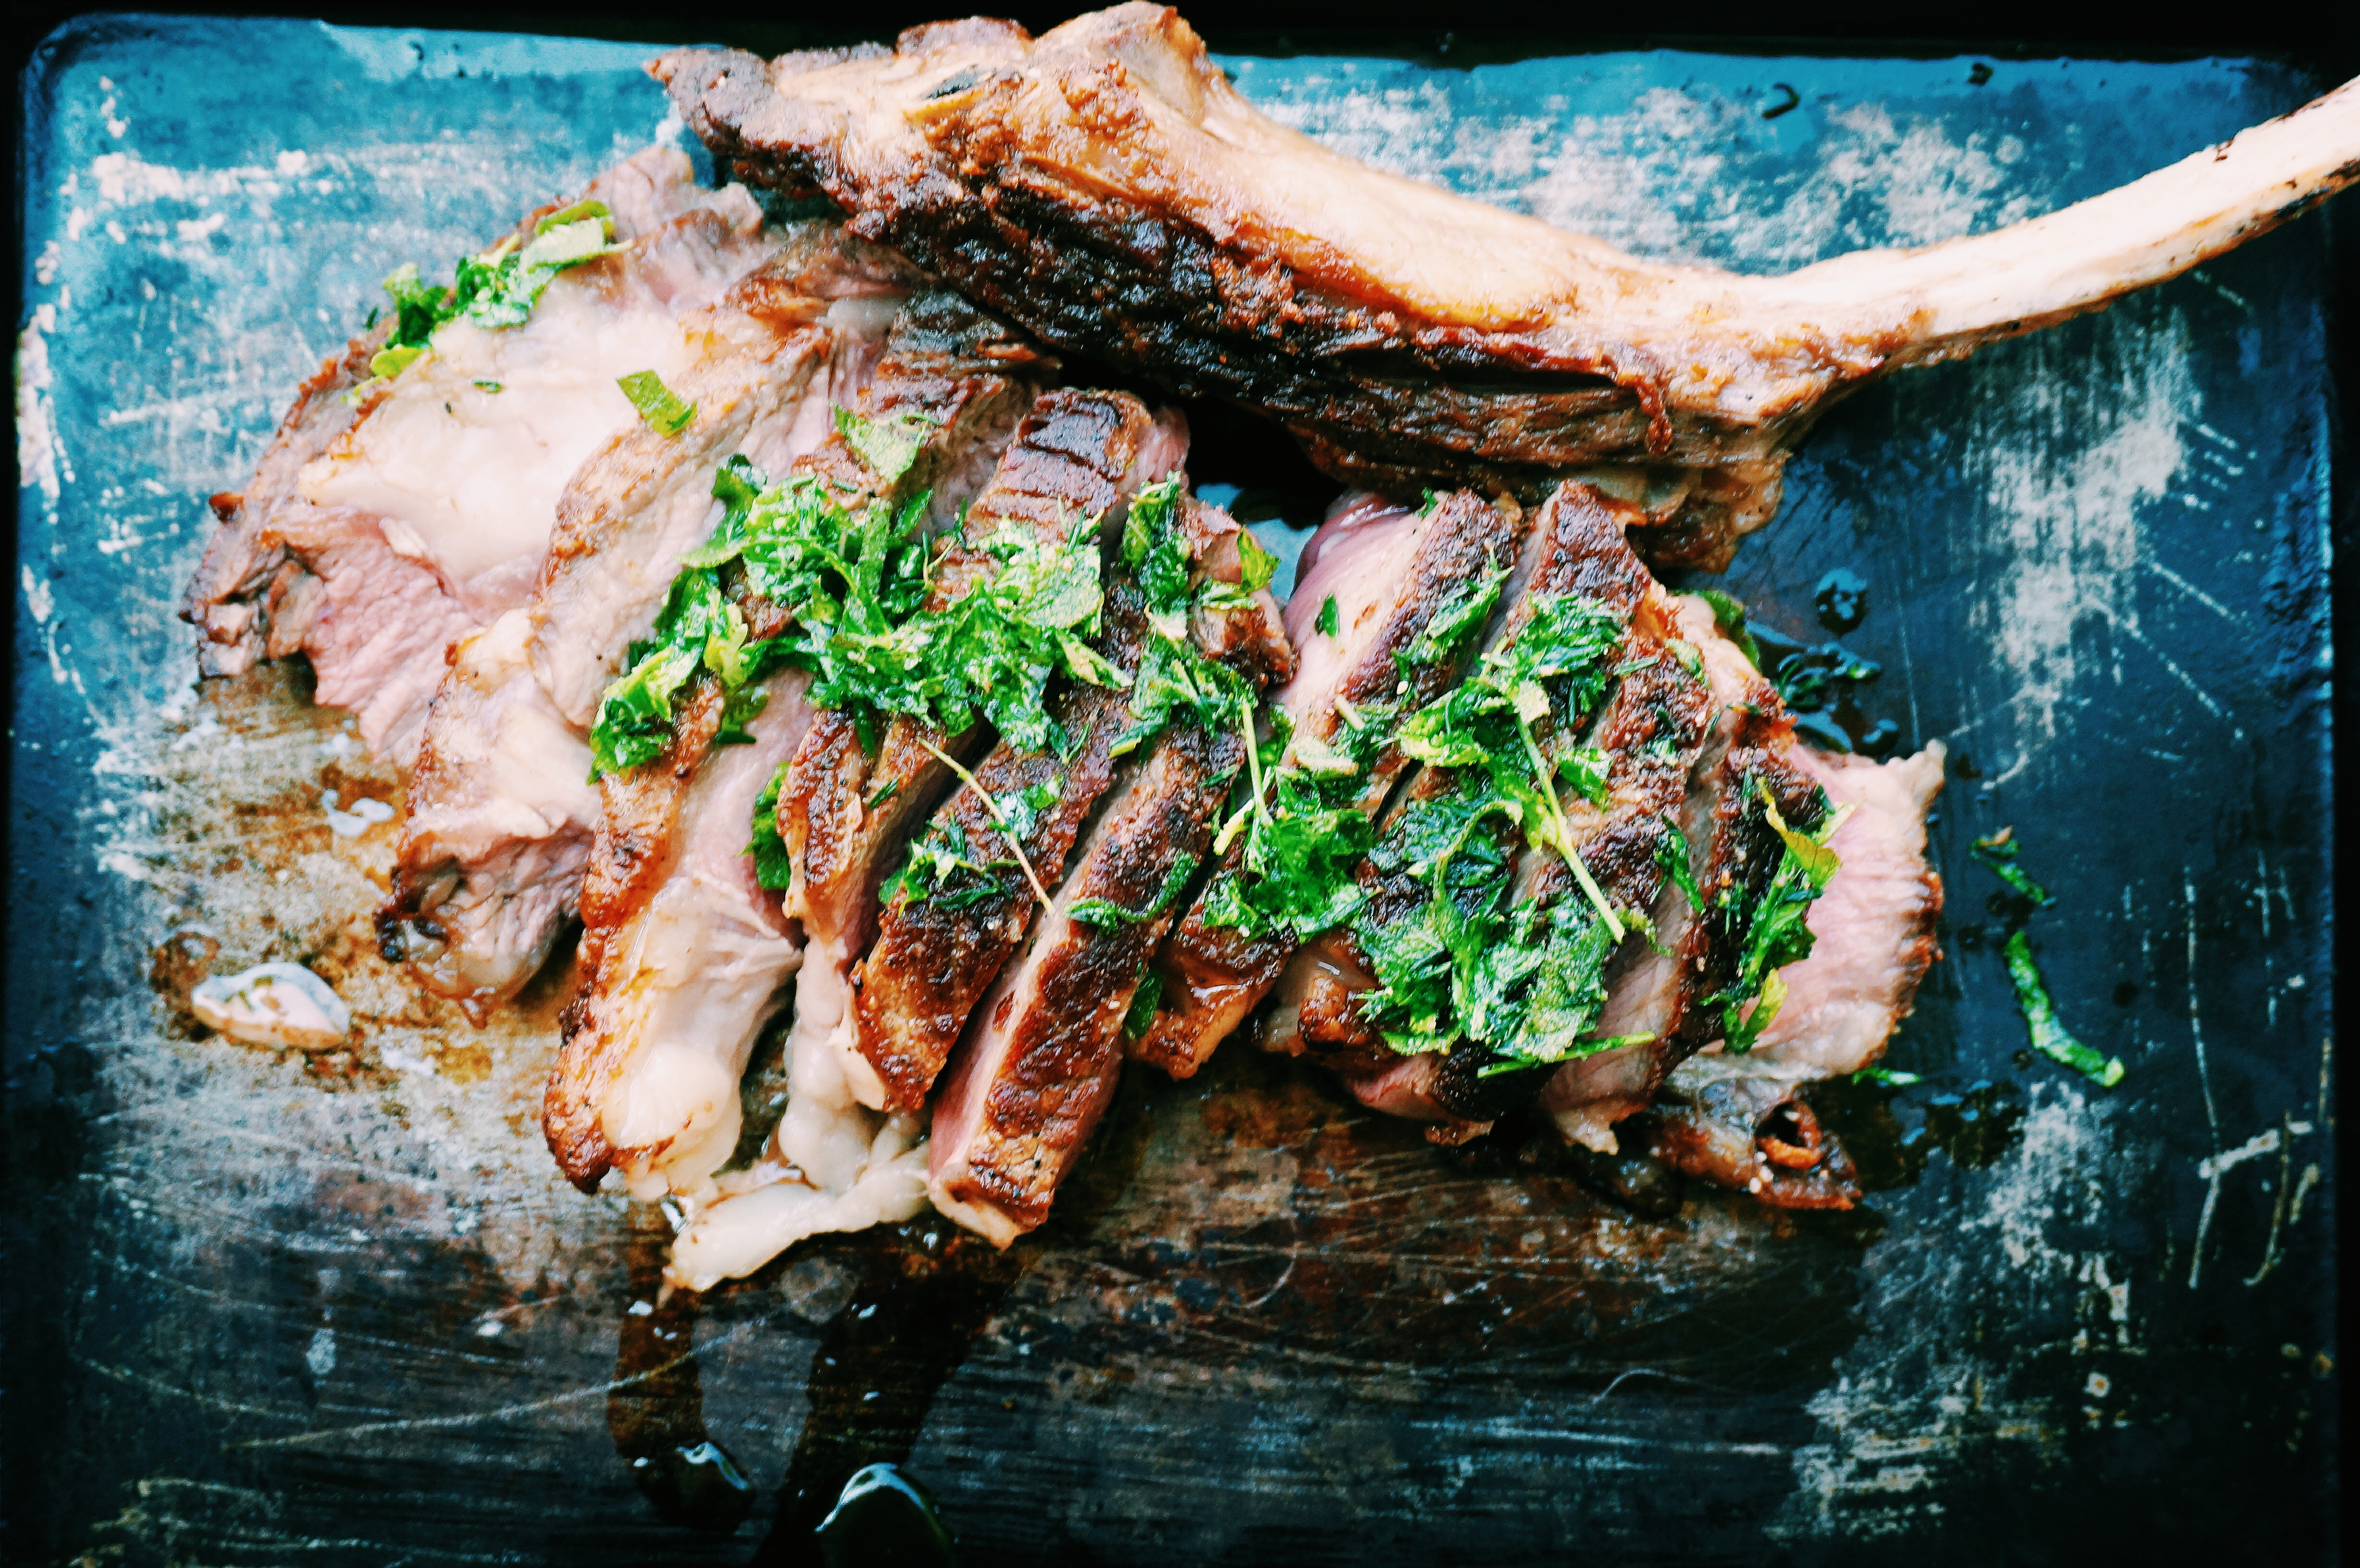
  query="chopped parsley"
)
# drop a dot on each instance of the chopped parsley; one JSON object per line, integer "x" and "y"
{"x": 1998, "y": 855}
{"x": 1106, "y": 912}
{"x": 859, "y": 584}
{"x": 1886, "y": 1076}
{"x": 1729, "y": 615}
{"x": 1525, "y": 984}
{"x": 1176, "y": 680}
{"x": 658, "y": 404}
{"x": 1326, "y": 625}
{"x": 888, "y": 446}
{"x": 1776, "y": 932}
{"x": 773, "y": 868}
{"x": 1555, "y": 668}
{"x": 2049, "y": 1037}
{"x": 697, "y": 628}
{"x": 497, "y": 289}
{"x": 1302, "y": 820}
{"x": 1141, "y": 1017}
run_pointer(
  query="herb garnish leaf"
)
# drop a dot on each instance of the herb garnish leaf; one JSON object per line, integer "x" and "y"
{"x": 658, "y": 404}
{"x": 2049, "y": 1037}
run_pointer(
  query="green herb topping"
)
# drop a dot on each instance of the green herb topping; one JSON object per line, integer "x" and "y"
{"x": 2049, "y": 1037}
{"x": 1176, "y": 680}
{"x": 498, "y": 288}
{"x": 1326, "y": 625}
{"x": 1998, "y": 855}
{"x": 1524, "y": 984}
{"x": 1106, "y": 912}
{"x": 1140, "y": 1016}
{"x": 1775, "y": 932}
{"x": 772, "y": 868}
{"x": 657, "y": 403}
{"x": 1886, "y": 1076}
{"x": 859, "y": 584}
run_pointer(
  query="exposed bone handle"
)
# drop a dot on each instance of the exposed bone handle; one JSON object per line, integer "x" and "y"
{"x": 2081, "y": 257}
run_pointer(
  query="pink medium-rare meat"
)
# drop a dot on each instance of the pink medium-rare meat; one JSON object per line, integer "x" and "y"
{"x": 1741, "y": 1120}
{"x": 1875, "y": 923}
{"x": 500, "y": 817}
{"x": 1648, "y": 991}
{"x": 969, "y": 380}
{"x": 393, "y": 516}
{"x": 1105, "y": 187}
{"x": 936, "y": 953}
{"x": 1390, "y": 571}
{"x": 685, "y": 985}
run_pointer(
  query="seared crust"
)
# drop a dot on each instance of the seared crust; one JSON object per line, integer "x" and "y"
{"x": 635, "y": 847}
{"x": 1049, "y": 1048}
{"x": 964, "y": 371}
{"x": 1212, "y": 977}
{"x": 1078, "y": 455}
{"x": 1107, "y": 187}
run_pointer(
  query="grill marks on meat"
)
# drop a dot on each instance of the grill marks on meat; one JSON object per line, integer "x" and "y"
{"x": 1390, "y": 570}
{"x": 500, "y": 821}
{"x": 374, "y": 538}
{"x": 1045, "y": 1052}
{"x": 657, "y": 888}
{"x": 1088, "y": 453}
{"x": 834, "y": 1161}
{"x": 1107, "y": 187}
{"x": 844, "y": 818}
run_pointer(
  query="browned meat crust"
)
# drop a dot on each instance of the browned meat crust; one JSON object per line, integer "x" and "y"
{"x": 936, "y": 957}
{"x": 1098, "y": 186}
{"x": 970, "y": 376}
{"x": 1015, "y": 1120}
{"x": 1212, "y": 977}
{"x": 635, "y": 850}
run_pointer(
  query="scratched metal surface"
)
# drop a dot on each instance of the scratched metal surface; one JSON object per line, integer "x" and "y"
{"x": 264, "y": 1310}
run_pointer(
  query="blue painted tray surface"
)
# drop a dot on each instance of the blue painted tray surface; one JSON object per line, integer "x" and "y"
{"x": 262, "y": 1309}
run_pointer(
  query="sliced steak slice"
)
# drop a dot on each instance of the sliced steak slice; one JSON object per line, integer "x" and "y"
{"x": 499, "y": 821}
{"x": 684, "y": 980}
{"x": 391, "y": 517}
{"x": 935, "y": 954}
{"x": 1648, "y": 989}
{"x": 844, "y": 819}
{"x": 1741, "y": 1120}
{"x": 1650, "y": 723}
{"x": 967, "y": 377}
{"x": 1388, "y": 571}
{"x": 1734, "y": 855}
{"x": 1045, "y": 1051}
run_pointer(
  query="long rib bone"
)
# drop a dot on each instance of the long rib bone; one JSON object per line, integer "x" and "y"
{"x": 1105, "y": 187}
